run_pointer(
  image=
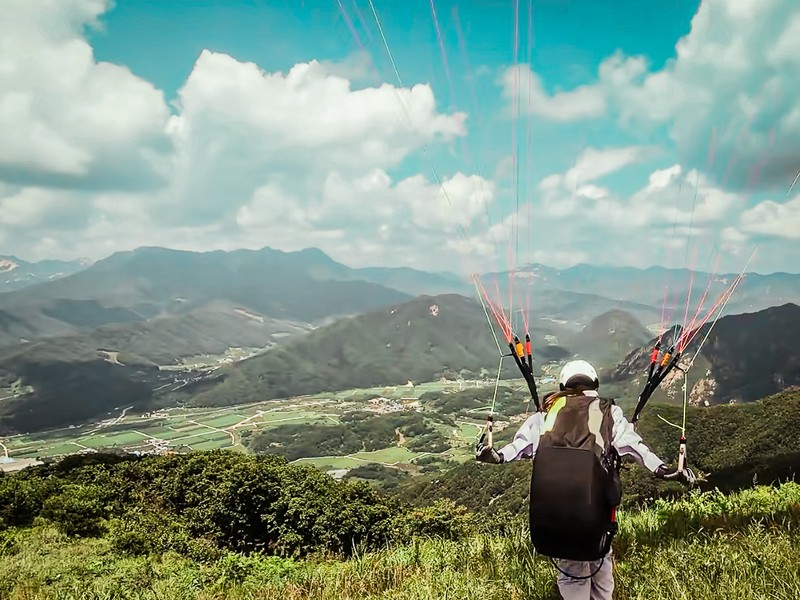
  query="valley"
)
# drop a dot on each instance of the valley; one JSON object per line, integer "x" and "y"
{"x": 183, "y": 429}
{"x": 158, "y": 351}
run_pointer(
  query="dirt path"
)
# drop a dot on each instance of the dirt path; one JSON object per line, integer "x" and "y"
{"x": 402, "y": 439}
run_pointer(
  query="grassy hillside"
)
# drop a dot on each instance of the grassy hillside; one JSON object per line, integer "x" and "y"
{"x": 46, "y": 385}
{"x": 391, "y": 346}
{"x": 254, "y": 528}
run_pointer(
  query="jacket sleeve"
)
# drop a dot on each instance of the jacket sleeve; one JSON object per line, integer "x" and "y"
{"x": 629, "y": 443}
{"x": 525, "y": 441}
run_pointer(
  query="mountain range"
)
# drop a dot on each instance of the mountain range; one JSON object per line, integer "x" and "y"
{"x": 16, "y": 273}
{"x": 139, "y": 284}
{"x": 88, "y": 341}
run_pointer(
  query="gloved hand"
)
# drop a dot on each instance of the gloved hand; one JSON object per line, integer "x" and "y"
{"x": 686, "y": 475}
{"x": 487, "y": 454}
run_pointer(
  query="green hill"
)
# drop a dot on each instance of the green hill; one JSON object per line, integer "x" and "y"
{"x": 410, "y": 341}
{"x": 68, "y": 379}
{"x": 745, "y": 357}
{"x": 609, "y": 338}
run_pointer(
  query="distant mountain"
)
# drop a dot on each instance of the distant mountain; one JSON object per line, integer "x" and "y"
{"x": 646, "y": 287}
{"x": 16, "y": 273}
{"x": 609, "y": 338}
{"x": 147, "y": 283}
{"x": 746, "y": 357}
{"x": 578, "y": 308}
{"x": 418, "y": 340}
{"x": 416, "y": 282}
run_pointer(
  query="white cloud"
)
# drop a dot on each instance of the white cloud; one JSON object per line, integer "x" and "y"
{"x": 567, "y": 194}
{"x": 770, "y": 218}
{"x": 357, "y": 67}
{"x": 584, "y": 102}
{"x": 239, "y": 126}
{"x": 66, "y": 118}
{"x": 671, "y": 203}
{"x": 318, "y": 156}
{"x": 727, "y": 99}
{"x": 735, "y": 76}
{"x": 249, "y": 157}
{"x": 592, "y": 164}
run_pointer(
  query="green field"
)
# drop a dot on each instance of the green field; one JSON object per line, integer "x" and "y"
{"x": 211, "y": 428}
{"x": 224, "y": 421}
{"x": 332, "y": 462}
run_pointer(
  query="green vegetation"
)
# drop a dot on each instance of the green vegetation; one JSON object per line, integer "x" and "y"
{"x": 384, "y": 477}
{"x": 474, "y": 403}
{"x": 235, "y": 427}
{"x": 609, "y": 338}
{"x": 223, "y": 525}
{"x": 389, "y": 346}
{"x": 205, "y": 503}
{"x": 70, "y": 379}
{"x": 174, "y": 428}
{"x": 731, "y": 446}
{"x": 358, "y": 432}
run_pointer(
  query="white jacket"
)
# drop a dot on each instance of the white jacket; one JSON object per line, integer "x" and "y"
{"x": 625, "y": 439}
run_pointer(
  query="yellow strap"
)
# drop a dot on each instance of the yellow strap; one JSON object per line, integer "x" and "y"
{"x": 550, "y": 419}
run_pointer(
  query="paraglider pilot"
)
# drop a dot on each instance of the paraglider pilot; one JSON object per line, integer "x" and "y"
{"x": 576, "y": 442}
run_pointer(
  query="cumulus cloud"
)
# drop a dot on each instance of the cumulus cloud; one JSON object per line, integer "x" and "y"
{"x": 247, "y": 157}
{"x": 770, "y": 218}
{"x": 727, "y": 99}
{"x": 584, "y": 102}
{"x": 729, "y": 95}
{"x": 67, "y": 119}
{"x": 239, "y": 126}
{"x": 593, "y": 164}
{"x": 672, "y": 209}
{"x": 577, "y": 191}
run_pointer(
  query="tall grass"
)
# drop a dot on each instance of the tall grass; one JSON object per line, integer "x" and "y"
{"x": 744, "y": 546}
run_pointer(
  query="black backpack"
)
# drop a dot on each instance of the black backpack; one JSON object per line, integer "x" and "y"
{"x": 575, "y": 487}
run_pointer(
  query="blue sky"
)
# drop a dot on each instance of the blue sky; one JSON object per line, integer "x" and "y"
{"x": 565, "y": 42}
{"x": 208, "y": 124}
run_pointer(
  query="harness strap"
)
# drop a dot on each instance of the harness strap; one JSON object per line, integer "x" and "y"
{"x": 589, "y": 576}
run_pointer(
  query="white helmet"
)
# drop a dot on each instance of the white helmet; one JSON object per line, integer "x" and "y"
{"x": 578, "y": 372}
